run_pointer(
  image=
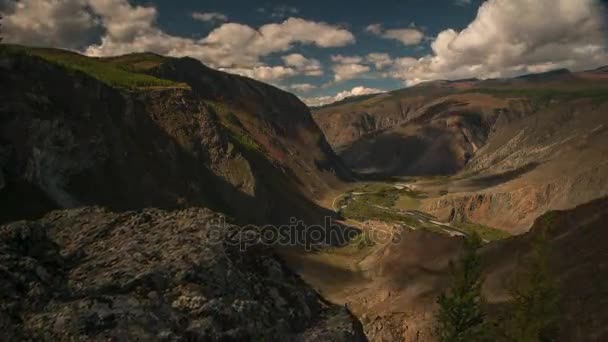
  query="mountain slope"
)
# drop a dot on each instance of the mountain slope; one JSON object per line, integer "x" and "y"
{"x": 137, "y": 148}
{"x": 393, "y": 285}
{"x": 144, "y": 130}
{"x": 515, "y": 147}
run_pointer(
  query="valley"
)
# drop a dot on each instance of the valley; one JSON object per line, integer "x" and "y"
{"x": 143, "y": 183}
{"x": 449, "y": 160}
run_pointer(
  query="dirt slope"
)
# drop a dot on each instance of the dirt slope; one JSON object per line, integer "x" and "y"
{"x": 392, "y": 287}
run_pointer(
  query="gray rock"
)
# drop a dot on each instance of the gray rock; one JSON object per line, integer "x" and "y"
{"x": 89, "y": 274}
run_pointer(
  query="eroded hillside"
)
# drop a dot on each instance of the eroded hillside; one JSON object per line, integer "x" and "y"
{"x": 514, "y": 148}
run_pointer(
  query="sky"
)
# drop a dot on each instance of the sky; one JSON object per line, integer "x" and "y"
{"x": 327, "y": 50}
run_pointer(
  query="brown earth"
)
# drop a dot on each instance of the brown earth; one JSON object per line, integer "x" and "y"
{"x": 392, "y": 287}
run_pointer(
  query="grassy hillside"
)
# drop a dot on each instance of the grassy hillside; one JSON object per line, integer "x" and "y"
{"x": 122, "y": 72}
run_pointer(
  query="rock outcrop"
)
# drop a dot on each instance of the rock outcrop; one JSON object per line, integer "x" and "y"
{"x": 90, "y": 274}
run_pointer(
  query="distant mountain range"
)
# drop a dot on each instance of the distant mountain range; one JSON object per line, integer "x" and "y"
{"x": 542, "y": 140}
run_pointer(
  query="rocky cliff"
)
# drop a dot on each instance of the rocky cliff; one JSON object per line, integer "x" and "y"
{"x": 121, "y": 166}
{"x": 143, "y": 130}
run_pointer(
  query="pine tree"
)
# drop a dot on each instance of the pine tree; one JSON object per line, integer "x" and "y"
{"x": 460, "y": 316}
{"x": 533, "y": 315}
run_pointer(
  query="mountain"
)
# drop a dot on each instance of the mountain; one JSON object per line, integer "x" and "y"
{"x": 113, "y": 174}
{"x": 392, "y": 286}
{"x": 144, "y": 130}
{"x": 514, "y": 148}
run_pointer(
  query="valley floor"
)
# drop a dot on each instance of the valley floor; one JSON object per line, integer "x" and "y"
{"x": 395, "y": 267}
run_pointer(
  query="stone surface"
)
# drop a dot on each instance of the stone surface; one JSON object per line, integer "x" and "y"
{"x": 89, "y": 274}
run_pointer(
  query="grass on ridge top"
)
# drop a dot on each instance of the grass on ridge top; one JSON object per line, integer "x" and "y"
{"x": 485, "y": 232}
{"x": 121, "y": 72}
{"x": 598, "y": 93}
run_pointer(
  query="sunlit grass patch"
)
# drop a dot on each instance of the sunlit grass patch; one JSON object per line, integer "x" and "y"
{"x": 485, "y": 232}
{"x": 112, "y": 71}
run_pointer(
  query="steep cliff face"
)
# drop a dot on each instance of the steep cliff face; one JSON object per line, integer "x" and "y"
{"x": 278, "y": 121}
{"x": 553, "y": 159}
{"x": 348, "y": 121}
{"x": 68, "y": 138}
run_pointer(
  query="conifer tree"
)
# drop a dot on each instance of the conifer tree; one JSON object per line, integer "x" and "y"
{"x": 460, "y": 316}
{"x": 533, "y": 315}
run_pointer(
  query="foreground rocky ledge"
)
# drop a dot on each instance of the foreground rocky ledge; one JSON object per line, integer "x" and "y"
{"x": 152, "y": 275}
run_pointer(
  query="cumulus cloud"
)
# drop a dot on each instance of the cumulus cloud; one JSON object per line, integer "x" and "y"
{"x": 356, "y": 91}
{"x": 407, "y": 36}
{"x": 302, "y": 87}
{"x": 343, "y": 72}
{"x": 65, "y": 23}
{"x": 379, "y": 60}
{"x": 374, "y": 28}
{"x": 348, "y": 67}
{"x": 213, "y": 17}
{"x": 306, "y": 66}
{"x": 263, "y": 73}
{"x": 346, "y": 59}
{"x": 123, "y": 28}
{"x": 511, "y": 37}
{"x": 231, "y": 44}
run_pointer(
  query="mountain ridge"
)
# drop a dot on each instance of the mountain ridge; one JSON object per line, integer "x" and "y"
{"x": 509, "y": 149}
{"x": 222, "y": 140}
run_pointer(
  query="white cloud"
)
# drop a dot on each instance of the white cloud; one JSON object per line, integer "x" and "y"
{"x": 64, "y": 23}
{"x": 356, "y": 91}
{"x": 306, "y": 66}
{"x": 343, "y": 72}
{"x": 209, "y": 17}
{"x": 511, "y": 37}
{"x": 125, "y": 28}
{"x": 380, "y": 60}
{"x": 346, "y": 59}
{"x": 375, "y": 29}
{"x": 407, "y": 36}
{"x": 263, "y": 73}
{"x": 348, "y": 67}
{"x": 303, "y": 87}
{"x": 231, "y": 44}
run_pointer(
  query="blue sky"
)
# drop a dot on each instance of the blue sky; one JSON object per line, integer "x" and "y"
{"x": 431, "y": 17}
{"x": 327, "y": 50}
